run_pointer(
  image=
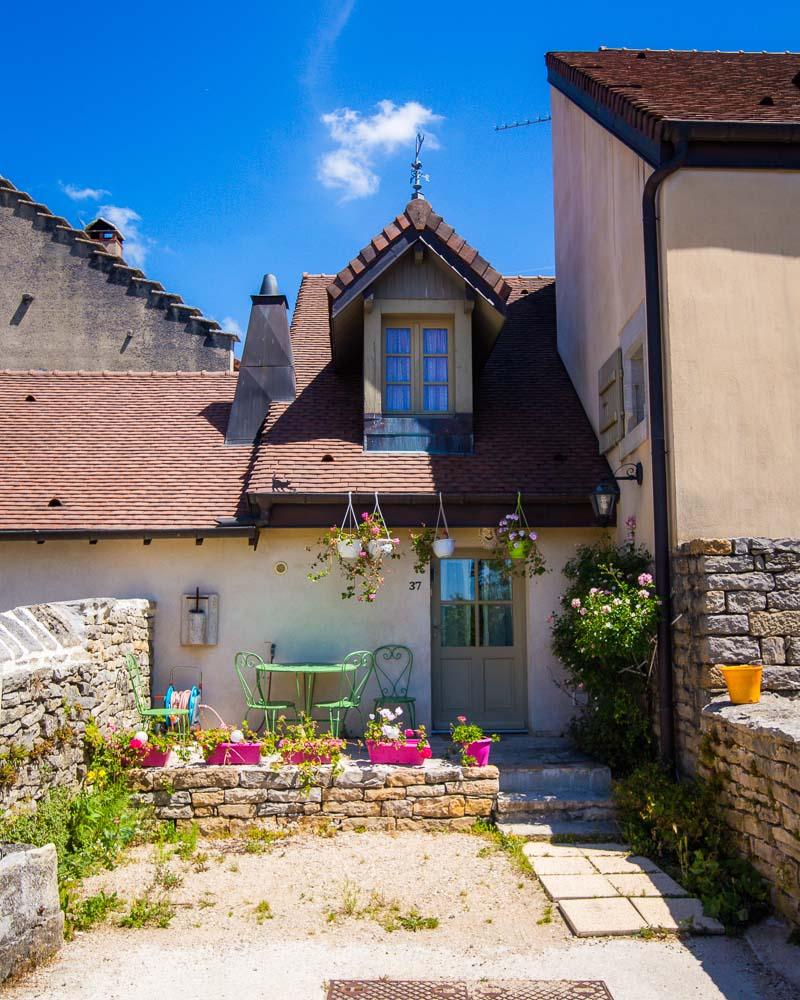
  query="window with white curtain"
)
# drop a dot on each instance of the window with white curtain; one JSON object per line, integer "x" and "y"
{"x": 417, "y": 365}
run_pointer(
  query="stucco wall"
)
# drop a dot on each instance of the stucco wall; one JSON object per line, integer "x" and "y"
{"x": 84, "y": 315}
{"x": 305, "y": 620}
{"x": 731, "y": 285}
{"x": 597, "y": 188}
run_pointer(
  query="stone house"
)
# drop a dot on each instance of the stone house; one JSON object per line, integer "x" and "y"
{"x": 69, "y": 301}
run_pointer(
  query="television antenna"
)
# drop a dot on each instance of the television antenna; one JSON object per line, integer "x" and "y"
{"x": 528, "y": 121}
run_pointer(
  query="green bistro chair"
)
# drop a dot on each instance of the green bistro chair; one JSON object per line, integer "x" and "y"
{"x": 393, "y": 666}
{"x": 148, "y": 715}
{"x": 351, "y": 686}
{"x": 244, "y": 664}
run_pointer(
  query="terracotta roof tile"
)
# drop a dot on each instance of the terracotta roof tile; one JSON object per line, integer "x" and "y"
{"x": 648, "y": 87}
{"x": 531, "y": 432}
{"x": 119, "y": 450}
{"x": 419, "y": 214}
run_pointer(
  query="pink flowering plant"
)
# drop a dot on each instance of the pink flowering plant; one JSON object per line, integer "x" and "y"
{"x": 516, "y": 551}
{"x": 370, "y": 542}
{"x": 385, "y": 726}
{"x": 605, "y": 635}
{"x": 464, "y": 733}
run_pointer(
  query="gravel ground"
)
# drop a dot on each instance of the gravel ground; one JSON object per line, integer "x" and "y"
{"x": 331, "y": 901}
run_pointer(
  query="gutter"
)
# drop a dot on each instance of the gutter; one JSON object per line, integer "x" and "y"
{"x": 84, "y": 534}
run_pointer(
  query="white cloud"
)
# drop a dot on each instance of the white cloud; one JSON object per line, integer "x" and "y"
{"x": 361, "y": 139}
{"x": 229, "y": 325}
{"x": 76, "y": 193}
{"x": 136, "y": 245}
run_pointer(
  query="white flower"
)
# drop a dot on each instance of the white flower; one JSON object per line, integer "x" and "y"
{"x": 391, "y": 732}
{"x": 398, "y": 711}
{"x": 237, "y": 736}
{"x": 385, "y": 713}
{"x": 372, "y": 715}
{"x": 141, "y": 736}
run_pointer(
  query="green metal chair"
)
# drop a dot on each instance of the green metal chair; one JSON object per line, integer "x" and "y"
{"x": 148, "y": 715}
{"x": 246, "y": 662}
{"x": 351, "y": 686}
{"x": 393, "y": 666}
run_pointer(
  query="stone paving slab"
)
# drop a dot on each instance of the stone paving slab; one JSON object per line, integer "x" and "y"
{"x": 677, "y": 914}
{"x": 615, "y": 864}
{"x": 544, "y": 849}
{"x": 610, "y": 848}
{"x": 560, "y": 887}
{"x": 601, "y": 917}
{"x": 544, "y": 830}
{"x": 646, "y": 885}
{"x": 563, "y": 866}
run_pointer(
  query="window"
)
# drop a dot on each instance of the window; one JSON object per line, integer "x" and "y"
{"x": 633, "y": 381}
{"x": 417, "y": 360}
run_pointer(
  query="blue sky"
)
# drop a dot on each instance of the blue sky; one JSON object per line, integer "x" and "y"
{"x": 248, "y": 137}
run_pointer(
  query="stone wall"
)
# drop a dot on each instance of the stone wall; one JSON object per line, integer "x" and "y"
{"x": 754, "y": 750}
{"x": 736, "y": 601}
{"x": 60, "y": 665}
{"x": 437, "y": 796}
{"x": 31, "y": 921}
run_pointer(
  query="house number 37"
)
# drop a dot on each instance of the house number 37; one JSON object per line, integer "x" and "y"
{"x": 414, "y": 584}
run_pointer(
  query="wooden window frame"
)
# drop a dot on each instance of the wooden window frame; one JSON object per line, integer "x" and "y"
{"x": 416, "y": 324}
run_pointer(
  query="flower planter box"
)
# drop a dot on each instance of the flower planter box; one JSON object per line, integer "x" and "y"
{"x": 480, "y": 751}
{"x": 151, "y": 757}
{"x": 235, "y": 753}
{"x": 391, "y": 753}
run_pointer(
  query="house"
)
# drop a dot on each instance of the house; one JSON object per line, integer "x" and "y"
{"x": 677, "y": 230}
{"x": 416, "y": 371}
{"x": 69, "y": 301}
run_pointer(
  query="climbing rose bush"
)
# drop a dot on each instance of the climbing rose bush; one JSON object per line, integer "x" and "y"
{"x": 617, "y": 625}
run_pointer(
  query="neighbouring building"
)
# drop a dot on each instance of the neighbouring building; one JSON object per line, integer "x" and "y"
{"x": 69, "y": 301}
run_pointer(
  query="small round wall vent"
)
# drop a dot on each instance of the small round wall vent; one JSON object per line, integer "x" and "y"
{"x": 281, "y": 568}
{"x": 30, "y": 399}
{"x": 327, "y": 458}
{"x": 55, "y": 502}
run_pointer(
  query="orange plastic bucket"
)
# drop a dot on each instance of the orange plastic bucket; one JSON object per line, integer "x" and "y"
{"x": 744, "y": 683}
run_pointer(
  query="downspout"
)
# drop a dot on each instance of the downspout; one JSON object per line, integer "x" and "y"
{"x": 658, "y": 443}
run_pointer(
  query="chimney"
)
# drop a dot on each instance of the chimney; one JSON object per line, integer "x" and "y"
{"x": 106, "y": 236}
{"x": 266, "y": 372}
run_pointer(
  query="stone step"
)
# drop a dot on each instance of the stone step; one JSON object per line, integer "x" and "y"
{"x": 546, "y": 807}
{"x": 536, "y": 828}
{"x": 565, "y": 780}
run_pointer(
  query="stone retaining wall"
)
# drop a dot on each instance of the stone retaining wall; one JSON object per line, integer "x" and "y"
{"x": 60, "y": 665}
{"x": 754, "y": 750}
{"x": 365, "y": 796}
{"x": 736, "y": 600}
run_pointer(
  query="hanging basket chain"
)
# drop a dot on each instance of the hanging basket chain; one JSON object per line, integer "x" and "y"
{"x": 442, "y": 517}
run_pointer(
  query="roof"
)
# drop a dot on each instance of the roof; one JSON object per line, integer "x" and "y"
{"x": 418, "y": 217}
{"x": 124, "y": 276}
{"x": 651, "y": 90}
{"x": 531, "y": 433}
{"x": 119, "y": 450}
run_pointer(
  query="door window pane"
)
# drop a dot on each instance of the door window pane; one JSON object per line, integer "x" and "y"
{"x": 457, "y": 580}
{"x": 497, "y": 628}
{"x": 458, "y": 625}
{"x": 492, "y": 584}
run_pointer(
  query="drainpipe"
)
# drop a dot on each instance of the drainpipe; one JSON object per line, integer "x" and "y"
{"x": 659, "y": 445}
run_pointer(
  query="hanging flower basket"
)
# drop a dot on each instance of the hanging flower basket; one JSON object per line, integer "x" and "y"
{"x": 347, "y": 547}
{"x": 434, "y": 541}
{"x": 516, "y": 551}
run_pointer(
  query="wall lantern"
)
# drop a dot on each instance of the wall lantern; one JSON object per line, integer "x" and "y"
{"x": 605, "y": 495}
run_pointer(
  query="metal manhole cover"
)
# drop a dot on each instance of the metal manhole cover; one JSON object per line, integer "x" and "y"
{"x": 381, "y": 989}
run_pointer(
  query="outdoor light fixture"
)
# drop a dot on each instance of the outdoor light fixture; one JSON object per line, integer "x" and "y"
{"x": 605, "y": 495}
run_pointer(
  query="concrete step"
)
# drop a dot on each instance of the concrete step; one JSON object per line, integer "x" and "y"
{"x": 567, "y": 780}
{"x": 559, "y": 807}
{"x": 534, "y": 827}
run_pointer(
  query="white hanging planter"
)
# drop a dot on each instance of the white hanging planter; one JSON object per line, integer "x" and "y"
{"x": 443, "y": 548}
{"x": 348, "y": 550}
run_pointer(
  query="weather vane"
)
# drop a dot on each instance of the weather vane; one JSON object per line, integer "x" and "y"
{"x": 417, "y": 175}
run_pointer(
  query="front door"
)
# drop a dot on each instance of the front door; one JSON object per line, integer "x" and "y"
{"x": 478, "y": 650}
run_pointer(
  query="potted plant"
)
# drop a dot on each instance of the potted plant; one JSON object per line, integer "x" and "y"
{"x": 474, "y": 743}
{"x": 516, "y": 552}
{"x": 434, "y": 541}
{"x": 365, "y": 547}
{"x": 300, "y": 743}
{"x": 231, "y": 746}
{"x": 387, "y": 743}
{"x": 743, "y": 683}
{"x": 154, "y": 749}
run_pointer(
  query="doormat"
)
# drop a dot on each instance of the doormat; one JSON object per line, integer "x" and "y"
{"x": 501, "y": 989}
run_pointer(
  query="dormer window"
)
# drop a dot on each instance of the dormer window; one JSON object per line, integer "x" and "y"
{"x": 418, "y": 359}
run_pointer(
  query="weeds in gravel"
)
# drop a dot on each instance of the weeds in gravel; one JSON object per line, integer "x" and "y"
{"x": 154, "y": 908}
{"x": 260, "y": 841}
{"x": 263, "y": 912}
{"x": 504, "y": 843}
{"x": 387, "y": 913}
{"x": 90, "y": 911}
{"x": 186, "y": 839}
{"x": 547, "y": 915}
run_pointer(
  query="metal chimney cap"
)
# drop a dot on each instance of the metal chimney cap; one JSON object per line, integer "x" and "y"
{"x": 269, "y": 285}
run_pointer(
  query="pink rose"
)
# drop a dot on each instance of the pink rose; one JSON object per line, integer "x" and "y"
{"x": 135, "y": 744}
{"x": 645, "y": 580}
{"x": 409, "y": 733}
{"x": 461, "y": 718}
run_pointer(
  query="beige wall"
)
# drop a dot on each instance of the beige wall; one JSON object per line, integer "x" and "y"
{"x": 306, "y": 620}
{"x": 730, "y": 244}
{"x": 598, "y": 184}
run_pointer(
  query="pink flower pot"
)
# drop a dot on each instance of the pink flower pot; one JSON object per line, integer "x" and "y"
{"x": 235, "y": 753}
{"x": 301, "y": 757}
{"x": 392, "y": 753}
{"x": 480, "y": 751}
{"x": 150, "y": 757}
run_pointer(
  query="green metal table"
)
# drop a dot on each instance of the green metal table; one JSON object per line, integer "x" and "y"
{"x": 309, "y": 673}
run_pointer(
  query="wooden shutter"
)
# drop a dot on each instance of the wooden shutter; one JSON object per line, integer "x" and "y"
{"x": 612, "y": 410}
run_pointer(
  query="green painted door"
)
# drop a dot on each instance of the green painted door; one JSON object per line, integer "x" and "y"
{"x": 478, "y": 654}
